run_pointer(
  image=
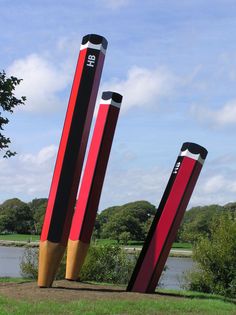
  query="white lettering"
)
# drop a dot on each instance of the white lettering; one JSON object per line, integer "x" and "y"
{"x": 176, "y": 168}
{"x": 91, "y": 60}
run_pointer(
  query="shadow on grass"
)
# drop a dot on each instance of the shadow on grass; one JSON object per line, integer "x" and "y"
{"x": 176, "y": 294}
{"x": 90, "y": 289}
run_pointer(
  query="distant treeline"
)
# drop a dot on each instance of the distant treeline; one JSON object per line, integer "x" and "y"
{"x": 130, "y": 221}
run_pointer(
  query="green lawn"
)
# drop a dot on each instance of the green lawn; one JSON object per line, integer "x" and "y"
{"x": 174, "y": 302}
{"x": 15, "y": 280}
{"x": 170, "y": 305}
{"x": 19, "y": 237}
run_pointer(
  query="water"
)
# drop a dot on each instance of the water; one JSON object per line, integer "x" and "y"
{"x": 10, "y": 259}
{"x": 171, "y": 278}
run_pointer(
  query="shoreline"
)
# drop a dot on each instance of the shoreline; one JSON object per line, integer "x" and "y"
{"x": 179, "y": 253}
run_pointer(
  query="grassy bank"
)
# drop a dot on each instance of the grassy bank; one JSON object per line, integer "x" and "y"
{"x": 35, "y": 238}
{"x": 137, "y": 244}
{"x": 142, "y": 307}
{"x": 164, "y": 302}
{"x": 19, "y": 237}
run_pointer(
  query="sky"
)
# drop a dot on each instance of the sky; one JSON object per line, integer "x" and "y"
{"x": 173, "y": 61}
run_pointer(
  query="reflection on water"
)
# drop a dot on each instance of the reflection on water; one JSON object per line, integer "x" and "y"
{"x": 10, "y": 259}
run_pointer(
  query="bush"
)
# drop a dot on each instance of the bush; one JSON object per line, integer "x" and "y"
{"x": 215, "y": 258}
{"x": 29, "y": 265}
{"x": 104, "y": 263}
{"x": 108, "y": 263}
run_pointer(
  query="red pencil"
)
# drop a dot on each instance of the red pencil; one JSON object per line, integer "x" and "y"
{"x": 67, "y": 172}
{"x": 167, "y": 220}
{"x": 92, "y": 182}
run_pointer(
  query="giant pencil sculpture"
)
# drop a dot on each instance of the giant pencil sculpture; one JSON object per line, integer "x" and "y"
{"x": 92, "y": 182}
{"x": 167, "y": 220}
{"x": 67, "y": 172}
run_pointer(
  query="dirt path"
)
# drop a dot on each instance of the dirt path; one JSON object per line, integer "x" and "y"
{"x": 69, "y": 291}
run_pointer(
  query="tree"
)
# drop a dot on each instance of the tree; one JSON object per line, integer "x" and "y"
{"x": 132, "y": 218}
{"x": 125, "y": 237}
{"x": 8, "y": 102}
{"x": 216, "y": 259}
{"x": 197, "y": 222}
{"x": 121, "y": 223}
{"x": 38, "y": 208}
{"x": 15, "y": 216}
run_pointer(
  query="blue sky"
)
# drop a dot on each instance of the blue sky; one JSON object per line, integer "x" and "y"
{"x": 173, "y": 61}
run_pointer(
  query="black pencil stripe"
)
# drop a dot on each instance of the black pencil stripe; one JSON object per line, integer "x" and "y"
{"x": 73, "y": 148}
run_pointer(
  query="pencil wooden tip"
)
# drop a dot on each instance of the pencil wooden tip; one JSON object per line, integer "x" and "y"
{"x": 76, "y": 253}
{"x": 50, "y": 255}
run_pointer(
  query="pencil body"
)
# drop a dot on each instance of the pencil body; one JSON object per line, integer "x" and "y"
{"x": 167, "y": 220}
{"x": 67, "y": 172}
{"x": 92, "y": 182}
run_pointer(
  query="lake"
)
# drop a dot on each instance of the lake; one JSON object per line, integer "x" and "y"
{"x": 10, "y": 259}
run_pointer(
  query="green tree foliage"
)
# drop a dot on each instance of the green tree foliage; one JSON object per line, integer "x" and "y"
{"x": 197, "y": 221}
{"x": 129, "y": 222}
{"x": 8, "y": 102}
{"x": 120, "y": 224}
{"x": 215, "y": 258}
{"x": 38, "y": 208}
{"x": 125, "y": 237}
{"x": 15, "y": 216}
{"x": 130, "y": 218}
{"x": 107, "y": 263}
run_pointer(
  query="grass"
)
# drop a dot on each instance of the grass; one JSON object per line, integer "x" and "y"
{"x": 105, "y": 242}
{"x": 185, "y": 246}
{"x": 172, "y": 304}
{"x": 9, "y": 279}
{"x": 35, "y": 238}
{"x": 19, "y": 237}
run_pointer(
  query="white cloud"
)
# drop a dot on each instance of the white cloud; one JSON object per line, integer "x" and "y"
{"x": 217, "y": 184}
{"x": 41, "y": 82}
{"x": 220, "y": 183}
{"x": 223, "y": 116}
{"x": 41, "y": 158}
{"x": 143, "y": 87}
{"x": 214, "y": 184}
{"x": 28, "y": 175}
{"x": 127, "y": 185}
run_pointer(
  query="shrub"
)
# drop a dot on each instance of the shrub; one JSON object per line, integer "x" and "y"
{"x": 104, "y": 263}
{"x": 29, "y": 265}
{"x": 215, "y": 258}
{"x": 108, "y": 263}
